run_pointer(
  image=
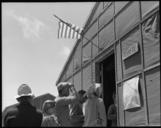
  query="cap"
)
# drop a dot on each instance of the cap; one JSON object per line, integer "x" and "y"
{"x": 24, "y": 90}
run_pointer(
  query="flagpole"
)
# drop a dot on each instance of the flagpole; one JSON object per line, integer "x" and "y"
{"x": 78, "y": 32}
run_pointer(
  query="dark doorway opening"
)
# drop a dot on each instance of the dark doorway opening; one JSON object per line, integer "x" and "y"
{"x": 108, "y": 80}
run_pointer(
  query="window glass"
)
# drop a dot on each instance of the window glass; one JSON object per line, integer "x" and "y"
{"x": 131, "y": 54}
{"x": 151, "y": 40}
{"x": 147, "y": 6}
{"x": 87, "y": 82}
{"x": 77, "y": 81}
{"x": 126, "y": 19}
{"x": 153, "y": 95}
{"x": 106, "y": 35}
{"x": 86, "y": 53}
{"x": 106, "y": 16}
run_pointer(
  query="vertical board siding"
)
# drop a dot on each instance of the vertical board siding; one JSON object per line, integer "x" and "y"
{"x": 120, "y": 105}
{"x": 97, "y": 13}
{"x": 87, "y": 77}
{"x": 69, "y": 68}
{"x": 106, "y": 35}
{"x": 153, "y": 94}
{"x": 77, "y": 81}
{"x": 119, "y": 5}
{"x": 91, "y": 32}
{"x": 77, "y": 57}
{"x": 118, "y": 63}
{"x": 127, "y": 19}
{"x": 95, "y": 48}
{"x": 106, "y": 16}
{"x": 86, "y": 53}
{"x": 136, "y": 116}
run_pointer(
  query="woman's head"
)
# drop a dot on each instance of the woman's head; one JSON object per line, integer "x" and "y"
{"x": 48, "y": 107}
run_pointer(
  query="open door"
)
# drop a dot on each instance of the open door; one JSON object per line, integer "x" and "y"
{"x": 107, "y": 69}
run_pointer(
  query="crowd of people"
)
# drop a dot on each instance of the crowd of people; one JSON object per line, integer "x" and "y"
{"x": 70, "y": 108}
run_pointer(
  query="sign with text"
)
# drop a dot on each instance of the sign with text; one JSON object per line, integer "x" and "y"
{"x": 130, "y": 51}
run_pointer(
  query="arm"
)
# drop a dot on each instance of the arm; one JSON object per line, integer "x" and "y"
{"x": 65, "y": 100}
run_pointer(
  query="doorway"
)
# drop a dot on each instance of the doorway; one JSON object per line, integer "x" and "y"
{"x": 107, "y": 78}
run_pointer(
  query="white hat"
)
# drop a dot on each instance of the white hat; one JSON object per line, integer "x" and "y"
{"x": 24, "y": 90}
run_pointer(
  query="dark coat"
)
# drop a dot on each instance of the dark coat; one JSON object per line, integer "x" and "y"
{"x": 22, "y": 115}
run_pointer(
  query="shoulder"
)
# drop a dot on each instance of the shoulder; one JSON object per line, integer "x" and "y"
{"x": 10, "y": 109}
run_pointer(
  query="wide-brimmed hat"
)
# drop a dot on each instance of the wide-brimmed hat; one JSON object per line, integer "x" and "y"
{"x": 63, "y": 85}
{"x": 24, "y": 90}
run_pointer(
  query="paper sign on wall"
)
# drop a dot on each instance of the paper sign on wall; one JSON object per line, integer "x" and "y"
{"x": 131, "y": 97}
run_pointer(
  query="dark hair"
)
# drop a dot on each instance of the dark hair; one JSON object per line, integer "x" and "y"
{"x": 82, "y": 92}
{"x": 24, "y": 99}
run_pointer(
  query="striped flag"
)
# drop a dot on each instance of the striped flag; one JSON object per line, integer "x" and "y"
{"x": 67, "y": 30}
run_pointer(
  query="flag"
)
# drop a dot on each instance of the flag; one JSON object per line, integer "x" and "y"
{"x": 68, "y": 30}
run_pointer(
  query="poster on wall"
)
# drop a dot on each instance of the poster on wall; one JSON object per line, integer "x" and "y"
{"x": 131, "y": 97}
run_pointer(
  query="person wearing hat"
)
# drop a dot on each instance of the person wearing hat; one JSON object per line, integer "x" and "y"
{"x": 94, "y": 108}
{"x": 49, "y": 118}
{"x": 23, "y": 113}
{"x": 62, "y": 102}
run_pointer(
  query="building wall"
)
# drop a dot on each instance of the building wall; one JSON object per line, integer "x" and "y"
{"x": 117, "y": 26}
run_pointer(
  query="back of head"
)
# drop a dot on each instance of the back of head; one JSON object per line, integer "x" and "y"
{"x": 46, "y": 105}
{"x": 24, "y": 94}
{"x": 63, "y": 86}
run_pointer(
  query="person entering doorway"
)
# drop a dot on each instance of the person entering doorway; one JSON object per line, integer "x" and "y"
{"x": 112, "y": 112}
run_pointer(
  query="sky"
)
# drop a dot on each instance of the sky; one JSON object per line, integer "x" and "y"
{"x": 31, "y": 51}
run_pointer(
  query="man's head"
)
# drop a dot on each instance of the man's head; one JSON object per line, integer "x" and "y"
{"x": 24, "y": 94}
{"x": 48, "y": 107}
{"x": 81, "y": 94}
{"x": 63, "y": 88}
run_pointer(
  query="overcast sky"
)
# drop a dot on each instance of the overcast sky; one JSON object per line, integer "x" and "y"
{"x": 31, "y": 52}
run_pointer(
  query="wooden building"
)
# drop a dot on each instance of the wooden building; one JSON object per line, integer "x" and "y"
{"x": 121, "y": 41}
